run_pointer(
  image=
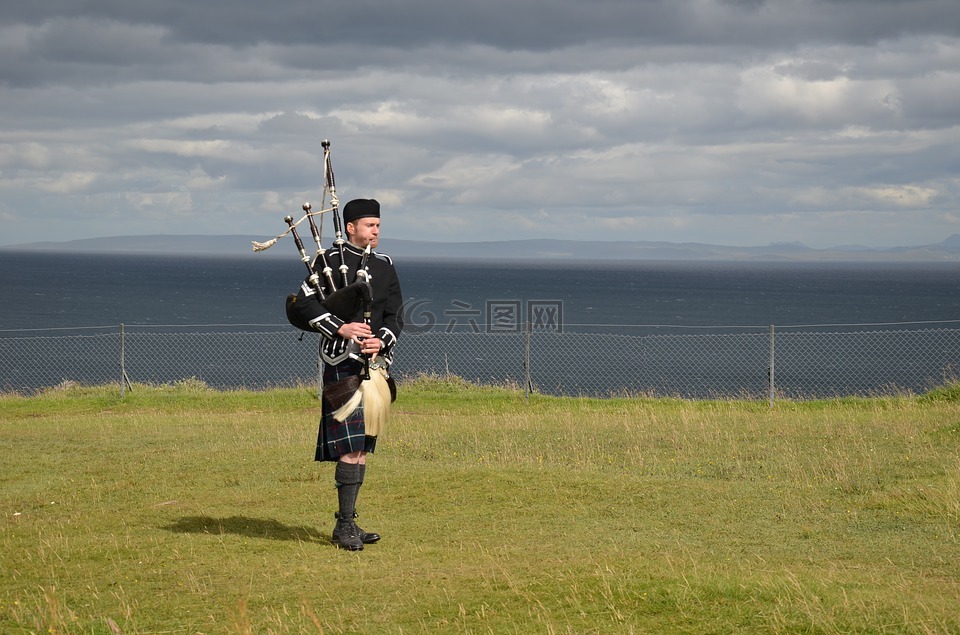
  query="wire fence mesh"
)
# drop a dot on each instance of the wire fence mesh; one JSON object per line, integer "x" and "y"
{"x": 751, "y": 363}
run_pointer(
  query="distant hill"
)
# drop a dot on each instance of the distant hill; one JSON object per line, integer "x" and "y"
{"x": 545, "y": 249}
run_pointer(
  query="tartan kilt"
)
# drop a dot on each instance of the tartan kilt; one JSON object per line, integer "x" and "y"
{"x": 336, "y": 438}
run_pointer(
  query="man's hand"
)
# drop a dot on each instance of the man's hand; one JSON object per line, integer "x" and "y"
{"x": 370, "y": 346}
{"x": 355, "y": 331}
{"x": 362, "y": 335}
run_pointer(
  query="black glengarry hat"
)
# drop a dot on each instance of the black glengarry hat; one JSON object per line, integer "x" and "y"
{"x": 360, "y": 208}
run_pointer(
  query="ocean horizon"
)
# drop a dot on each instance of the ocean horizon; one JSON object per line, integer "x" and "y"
{"x": 527, "y": 250}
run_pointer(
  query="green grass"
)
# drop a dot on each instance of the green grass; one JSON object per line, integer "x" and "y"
{"x": 181, "y": 509}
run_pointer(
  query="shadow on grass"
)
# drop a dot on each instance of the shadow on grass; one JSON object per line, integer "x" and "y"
{"x": 244, "y": 526}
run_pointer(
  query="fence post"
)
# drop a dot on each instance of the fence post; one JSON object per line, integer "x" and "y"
{"x": 123, "y": 370}
{"x": 122, "y": 386}
{"x": 124, "y": 379}
{"x": 770, "y": 369}
{"x": 526, "y": 360}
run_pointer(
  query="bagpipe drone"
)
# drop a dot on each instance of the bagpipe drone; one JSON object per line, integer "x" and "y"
{"x": 346, "y": 300}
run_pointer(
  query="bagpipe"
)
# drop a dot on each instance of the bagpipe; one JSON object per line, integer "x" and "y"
{"x": 334, "y": 293}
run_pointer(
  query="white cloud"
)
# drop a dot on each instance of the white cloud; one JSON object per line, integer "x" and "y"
{"x": 767, "y": 92}
{"x": 894, "y": 196}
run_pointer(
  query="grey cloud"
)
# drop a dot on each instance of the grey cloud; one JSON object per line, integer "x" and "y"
{"x": 649, "y": 119}
{"x": 513, "y": 25}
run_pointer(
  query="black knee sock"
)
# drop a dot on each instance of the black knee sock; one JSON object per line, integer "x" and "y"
{"x": 349, "y": 478}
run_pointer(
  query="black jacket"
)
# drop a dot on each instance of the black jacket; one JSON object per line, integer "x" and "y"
{"x": 306, "y": 311}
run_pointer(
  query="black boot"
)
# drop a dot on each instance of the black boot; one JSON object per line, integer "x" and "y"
{"x": 346, "y": 534}
{"x": 366, "y": 537}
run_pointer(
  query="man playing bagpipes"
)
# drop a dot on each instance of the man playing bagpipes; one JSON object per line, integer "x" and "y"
{"x": 360, "y": 322}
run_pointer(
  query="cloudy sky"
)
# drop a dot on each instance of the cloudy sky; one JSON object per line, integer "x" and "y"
{"x": 737, "y": 122}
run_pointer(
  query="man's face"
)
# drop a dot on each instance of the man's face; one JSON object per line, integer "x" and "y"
{"x": 364, "y": 231}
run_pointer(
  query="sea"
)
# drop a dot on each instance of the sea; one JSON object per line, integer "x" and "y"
{"x": 172, "y": 305}
{"x": 44, "y": 290}
{"x": 49, "y": 290}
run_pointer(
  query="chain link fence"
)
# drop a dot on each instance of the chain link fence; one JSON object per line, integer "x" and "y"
{"x": 709, "y": 362}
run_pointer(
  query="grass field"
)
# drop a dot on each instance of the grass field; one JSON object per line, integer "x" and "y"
{"x": 185, "y": 510}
